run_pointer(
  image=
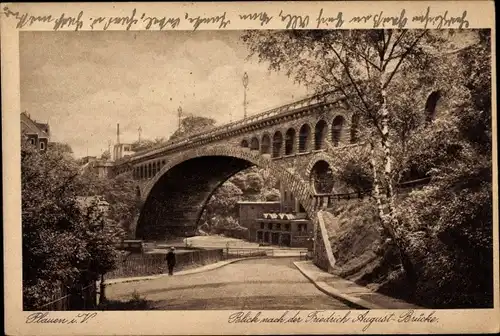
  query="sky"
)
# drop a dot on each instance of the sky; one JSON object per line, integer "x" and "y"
{"x": 84, "y": 83}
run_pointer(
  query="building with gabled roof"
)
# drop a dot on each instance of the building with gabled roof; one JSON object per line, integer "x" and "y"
{"x": 38, "y": 134}
{"x": 282, "y": 222}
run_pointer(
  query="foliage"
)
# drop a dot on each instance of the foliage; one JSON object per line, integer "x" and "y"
{"x": 145, "y": 144}
{"x": 476, "y": 111}
{"x": 271, "y": 195}
{"x": 229, "y": 227}
{"x": 224, "y": 201}
{"x": 256, "y": 184}
{"x": 252, "y": 184}
{"x": 189, "y": 125}
{"x": 449, "y": 222}
{"x": 136, "y": 302}
{"x": 60, "y": 147}
{"x": 65, "y": 241}
{"x": 351, "y": 62}
{"x": 361, "y": 66}
{"x": 121, "y": 194}
{"x": 221, "y": 205}
{"x": 351, "y": 169}
{"x": 226, "y": 223}
{"x": 193, "y": 124}
{"x": 444, "y": 231}
{"x": 106, "y": 155}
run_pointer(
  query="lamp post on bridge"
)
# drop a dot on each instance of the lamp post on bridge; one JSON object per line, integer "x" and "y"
{"x": 179, "y": 111}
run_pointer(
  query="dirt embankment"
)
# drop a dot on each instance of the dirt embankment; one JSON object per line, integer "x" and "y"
{"x": 361, "y": 256}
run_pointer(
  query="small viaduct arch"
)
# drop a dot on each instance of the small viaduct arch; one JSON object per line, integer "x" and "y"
{"x": 305, "y": 135}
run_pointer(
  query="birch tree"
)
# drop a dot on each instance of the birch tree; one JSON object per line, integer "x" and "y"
{"x": 363, "y": 66}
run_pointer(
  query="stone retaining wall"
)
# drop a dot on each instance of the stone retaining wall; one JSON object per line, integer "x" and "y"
{"x": 323, "y": 254}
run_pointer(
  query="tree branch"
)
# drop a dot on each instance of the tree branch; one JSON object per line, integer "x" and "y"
{"x": 365, "y": 58}
{"x": 402, "y": 58}
{"x": 350, "y": 78}
{"x": 389, "y": 57}
{"x": 340, "y": 88}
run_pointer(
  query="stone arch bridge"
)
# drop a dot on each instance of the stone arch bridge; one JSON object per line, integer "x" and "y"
{"x": 176, "y": 180}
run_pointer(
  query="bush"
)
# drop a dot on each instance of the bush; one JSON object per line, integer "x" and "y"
{"x": 64, "y": 242}
{"x": 449, "y": 226}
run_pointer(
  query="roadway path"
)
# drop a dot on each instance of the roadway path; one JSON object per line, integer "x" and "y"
{"x": 250, "y": 284}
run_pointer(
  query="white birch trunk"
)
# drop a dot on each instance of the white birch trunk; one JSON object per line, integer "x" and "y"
{"x": 391, "y": 219}
{"x": 376, "y": 193}
{"x": 384, "y": 114}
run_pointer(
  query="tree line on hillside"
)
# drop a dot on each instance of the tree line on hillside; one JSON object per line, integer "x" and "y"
{"x": 443, "y": 232}
{"x": 190, "y": 124}
{"x": 221, "y": 213}
{"x": 68, "y": 241}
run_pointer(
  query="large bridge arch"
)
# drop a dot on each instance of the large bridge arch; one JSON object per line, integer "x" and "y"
{"x": 176, "y": 196}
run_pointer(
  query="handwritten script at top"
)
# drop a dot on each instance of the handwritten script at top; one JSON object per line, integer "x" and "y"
{"x": 324, "y": 19}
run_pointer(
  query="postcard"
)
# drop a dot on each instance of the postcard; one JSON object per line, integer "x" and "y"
{"x": 250, "y": 168}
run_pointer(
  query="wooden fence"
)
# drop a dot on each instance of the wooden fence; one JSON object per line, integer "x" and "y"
{"x": 76, "y": 298}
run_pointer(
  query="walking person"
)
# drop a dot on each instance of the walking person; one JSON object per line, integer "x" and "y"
{"x": 171, "y": 260}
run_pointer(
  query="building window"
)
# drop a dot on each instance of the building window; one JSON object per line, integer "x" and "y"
{"x": 42, "y": 145}
{"x": 304, "y": 135}
{"x": 289, "y": 141}
{"x": 32, "y": 141}
{"x": 287, "y": 227}
{"x": 262, "y": 225}
{"x": 254, "y": 144}
{"x": 302, "y": 228}
{"x": 337, "y": 125}
{"x": 320, "y": 134}
{"x": 265, "y": 147}
{"x": 278, "y": 226}
{"x": 269, "y": 226}
{"x": 277, "y": 144}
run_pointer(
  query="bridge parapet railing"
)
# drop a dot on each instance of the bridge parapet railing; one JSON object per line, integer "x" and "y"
{"x": 276, "y": 111}
{"x": 326, "y": 201}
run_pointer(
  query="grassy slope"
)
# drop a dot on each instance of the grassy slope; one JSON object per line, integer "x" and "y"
{"x": 360, "y": 254}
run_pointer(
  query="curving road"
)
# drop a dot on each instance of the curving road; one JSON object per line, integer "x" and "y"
{"x": 250, "y": 284}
